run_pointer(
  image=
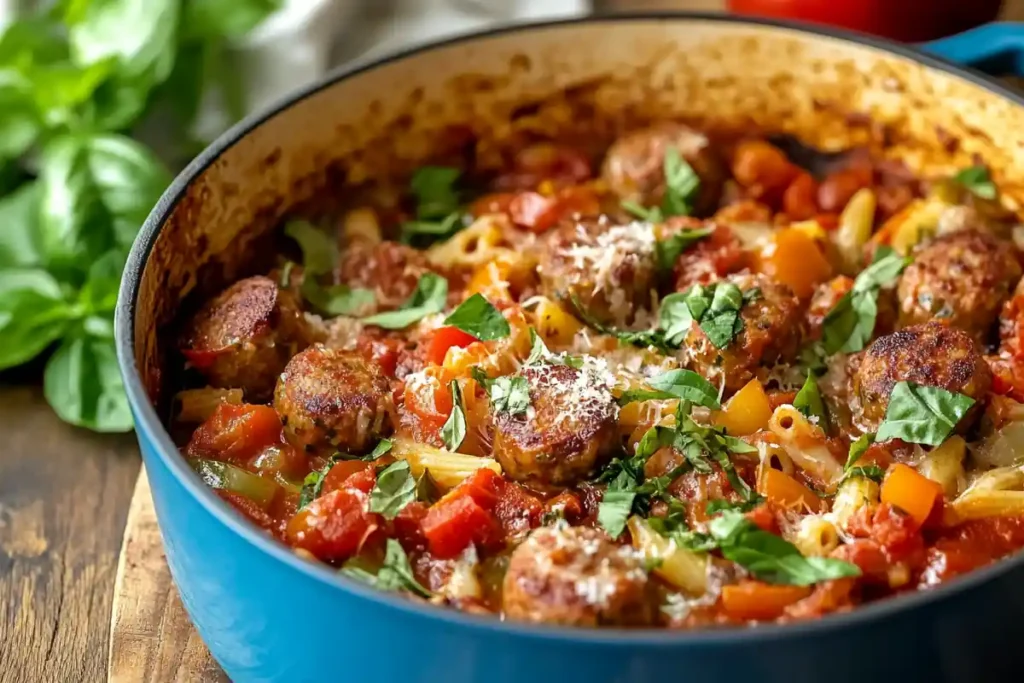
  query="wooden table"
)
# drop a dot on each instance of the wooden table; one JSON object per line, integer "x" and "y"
{"x": 64, "y": 497}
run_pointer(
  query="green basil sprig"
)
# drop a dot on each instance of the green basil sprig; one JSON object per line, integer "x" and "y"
{"x": 715, "y": 308}
{"x": 430, "y": 297}
{"x": 810, "y": 402}
{"x": 682, "y": 186}
{"x": 394, "y": 574}
{"x": 476, "y": 316}
{"x": 922, "y": 414}
{"x": 438, "y": 206}
{"x": 454, "y": 429}
{"x": 978, "y": 181}
{"x": 680, "y": 384}
{"x": 509, "y": 395}
{"x": 395, "y": 488}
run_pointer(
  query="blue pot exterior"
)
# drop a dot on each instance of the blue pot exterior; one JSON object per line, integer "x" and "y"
{"x": 268, "y": 616}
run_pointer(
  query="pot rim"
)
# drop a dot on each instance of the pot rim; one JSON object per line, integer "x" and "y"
{"x": 150, "y": 427}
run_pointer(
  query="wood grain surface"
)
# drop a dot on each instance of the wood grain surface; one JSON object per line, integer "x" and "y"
{"x": 64, "y": 500}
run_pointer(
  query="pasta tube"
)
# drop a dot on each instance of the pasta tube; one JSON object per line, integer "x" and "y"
{"x": 805, "y": 444}
{"x": 945, "y": 465}
{"x": 447, "y": 469}
{"x": 196, "y": 405}
{"x": 851, "y": 496}
{"x": 680, "y": 567}
{"x": 816, "y": 536}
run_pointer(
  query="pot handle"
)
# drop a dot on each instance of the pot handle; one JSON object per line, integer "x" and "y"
{"x": 996, "y": 48}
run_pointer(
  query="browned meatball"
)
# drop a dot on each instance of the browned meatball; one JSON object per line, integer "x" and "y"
{"x": 827, "y": 296}
{"x": 962, "y": 278}
{"x": 634, "y": 167}
{"x": 243, "y": 337}
{"x": 330, "y": 399}
{"x": 609, "y": 269}
{"x": 576, "y": 576}
{"x": 568, "y": 432}
{"x": 389, "y": 269}
{"x": 772, "y": 325}
{"x": 932, "y": 354}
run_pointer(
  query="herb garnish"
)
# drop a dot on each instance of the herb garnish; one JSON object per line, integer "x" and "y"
{"x": 539, "y": 353}
{"x": 478, "y": 317}
{"x": 395, "y": 488}
{"x": 430, "y": 297}
{"x": 667, "y": 251}
{"x": 715, "y": 308}
{"x": 809, "y": 402}
{"x": 395, "y": 574}
{"x": 314, "y": 481}
{"x": 769, "y": 557}
{"x": 438, "y": 212}
{"x": 978, "y": 181}
{"x": 922, "y": 414}
{"x": 849, "y": 326}
{"x": 454, "y": 429}
{"x": 319, "y": 258}
{"x": 682, "y": 186}
{"x": 857, "y": 450}
{"x": 509, "y": 394}
{"x": 680, "y": 384}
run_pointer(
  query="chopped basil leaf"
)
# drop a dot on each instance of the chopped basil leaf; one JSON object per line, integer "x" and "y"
{"x": 809, "y": 402}
{"x": 978, "y": 181}
{"x": 434, "y": 189}
{"x": 769, "y": 557}
{"x": 667, "y": 251}
{"x": 454, "y": 429}
{"x": 673, "y": 527}
{"x": 313, "y": 484}
{"x": 682, "y": 384}
{"x": 681, "y": 184}
{"x": 395, "y": 488}
{"x": 872, "y": 472}
{"x": 715, "y": 307}
{"x": 336, "y": 299}
{"x": 430, "y": 297}
{"x": 922, "y": 414}
{"x": 446, "y": 227}
{"x": 319, "y": 250}
{"x": 614, "y": 509}
{"x": 427, "y": 489}
{"x": 850, "y": 325}
{"x": 395, "y": 574}
{"x": 720, "y": 504}
{"x": 476, "y": 316}
{"x": 651, "y": 215}
{"x": 510, "y": 394}
{"x": 382, "y": 447}
{"x": 858, "y": 448}
{"x": 539, "y": 353}
{"x": 641, "y": 338}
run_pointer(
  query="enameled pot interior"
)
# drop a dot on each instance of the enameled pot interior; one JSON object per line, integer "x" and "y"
{"x": 589, "y": 78}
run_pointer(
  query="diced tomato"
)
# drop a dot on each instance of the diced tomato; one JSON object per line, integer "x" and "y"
{"x": 408, "y": 525}
{"x": 567, "y": 504}
{"x": 445, "y": 338}
{"x": 764, "y": 518}
{"x": 517, "y": 511}
{"x": 333, "y": 527}
{"x": 497, "y": 202}
{"x": 971, "y": 545}
{"x": 456, "y": 521}
{"x": 755, "y": 600}
{"x": 201, "y": 359}
{"x": 363, "y": 480}
{"x": 827, "y": 597}
{"x": 429, "y": 401}
{"x": 800, "y": 200}
{"x": 236, "y": 433}
{"x": 344, "y": 473}
{"x": 868, "y": 556}
{"x": 715, "y": 256}
{"x": 485, "y": 486}
{"x": 537, "y": 213}
{"x": 837, "y": 189}
{"x": 385, "y": 352}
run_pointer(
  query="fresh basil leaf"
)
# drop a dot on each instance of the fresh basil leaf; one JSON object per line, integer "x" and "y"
{"x": 430, "y": 297}
{"x": 337, "y": 299}
{"x": 20, "y": 239}
{"x": 721, "y": 504}
{"x": 653, "y": 439}
{"x": 313, "y": 484}
{"x": 99, "y": 293}
{"x": 850, "y": 325}
{"x": 687, "y": 386}
{"x": 478, "y": 317}
{"x": 922, "y": 414}
{"x": 978, "y": 181}
{"x": 319, "y": 250}
{"x": 715, "y": 307}
{"x": 454, "y": 429}
{"x": 872, "y": 472}
{"x": 883, "y": 271}
{"x": 809, "y": 402}
{"x": 395, "y": 488}
{"x": 33, "y": 314}
{"x": 614, "y": 510}
{"x": 667, "y": 251}
{"x": 858, "y": 448}
{"x": 382, "y": 447}
{"x": 427, "y": 489}
{"x": 509, "y": 395}
{"x": 675, "y": 318}
{"x": 82, "y": 383}
{"x": 651, "y": 215}
{"x": 20, "y": 121}
{"x": 682, "y": 184}
{"x": 769, "y": 557}
{"x": 641, "y": 338}
{"x": 434, "y": 230}
{"x": 225, "y": 18}
{"x": 395, "y": 574}
{"x": 434, "y": 189}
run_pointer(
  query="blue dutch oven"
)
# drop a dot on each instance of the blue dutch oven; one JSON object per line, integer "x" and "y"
{"x": 268, "y": 615}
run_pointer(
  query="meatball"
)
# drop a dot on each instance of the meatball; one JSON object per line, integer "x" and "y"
{"x": 243, "y": 337}
{"x": 576, "y": 576}
{"x": 828, "y": 295}
{"x": 634, "y": 167}
{"x": 330, "y": 399}
{"x": 932, "y": 354}
{"x": 772, "y": 325}
{"x": 611, "y": 270}
{"x": 962, "y": 278}
{"x": 389, "y": 269}
{"x": 567, "y": 433}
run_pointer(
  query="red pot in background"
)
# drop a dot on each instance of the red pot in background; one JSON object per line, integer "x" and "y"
{"x": 907, "y": 20}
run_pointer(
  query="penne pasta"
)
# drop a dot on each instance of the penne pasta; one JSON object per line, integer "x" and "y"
{"x": 945, "y": 465}
{"x": 361, "y": 227}
{"x": 196, "y": 405}
{"x": 853, "y": 494}
{"x": 447, "y": 469}
{"x": 815, "y": 536}
{"x": 480, "y": 243}
{"x": 805, "y": 444}
{"x": 855, "y": 225}
{"x": 680, "y": 567}
{"x": 990, "y": 503}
